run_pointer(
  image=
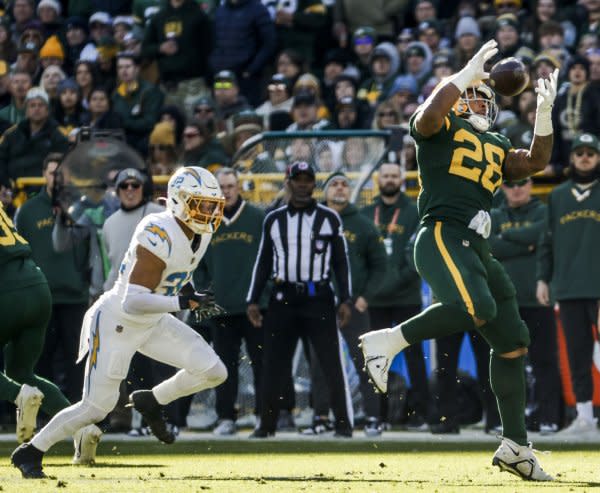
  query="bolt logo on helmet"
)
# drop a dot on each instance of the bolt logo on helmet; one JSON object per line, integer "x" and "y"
{"x": 465, "y": 106}
{"x": 195, "y": 198}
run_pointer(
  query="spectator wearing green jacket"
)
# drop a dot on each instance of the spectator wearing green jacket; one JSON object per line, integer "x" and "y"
{"x": 227, "y": 267}
{"x": 136, "y": 101}
{"x": 20, "y": 83}
{"x": 67, "y": 275}
{"x": 568, "y": 264}
{"x": 25, "y": 145}
{"x": 400, "y": 295}
{"x": 368, "y": 264}
{"x": 516, "y": 229}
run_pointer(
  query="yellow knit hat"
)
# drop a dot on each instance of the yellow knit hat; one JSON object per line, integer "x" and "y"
{"x": 52, "y": 49}
{"x": 163, "y": 134}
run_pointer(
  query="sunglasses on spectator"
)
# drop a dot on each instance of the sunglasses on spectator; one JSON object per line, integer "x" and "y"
{"x": 588, "y": 153}
{"x": 203, "y": 109}
{"x": 223, "y": 85}
{"x": 130, "y": 184}
{"x": 383, "y": 114}
{"x": 190, "y": 135}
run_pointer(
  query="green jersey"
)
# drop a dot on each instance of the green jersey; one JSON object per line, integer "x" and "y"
{"x": 16, "y": 267}
{"x": 460, "y": 169}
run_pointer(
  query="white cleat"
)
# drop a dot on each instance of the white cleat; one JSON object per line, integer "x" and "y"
{"x": 520, "y": 461}
{"x": 375, "y": 350}
{"x": 86, "y": 441}
{"x": 580, "y": 427}
{"x": 28, "y": 403}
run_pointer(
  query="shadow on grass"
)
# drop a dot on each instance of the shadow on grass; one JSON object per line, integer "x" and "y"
{"x": 108, "y": 465}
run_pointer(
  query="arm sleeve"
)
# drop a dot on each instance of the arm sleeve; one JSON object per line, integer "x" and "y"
{"x": 339, "y": 261}
{"x": 263, "y": 265}
{"x": 139, "y": 300}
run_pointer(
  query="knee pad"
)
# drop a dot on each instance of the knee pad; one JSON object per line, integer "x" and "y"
{"x": 485, "y": 308}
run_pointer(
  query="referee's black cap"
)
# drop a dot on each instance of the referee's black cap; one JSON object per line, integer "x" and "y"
{"x": 299, "y": 167}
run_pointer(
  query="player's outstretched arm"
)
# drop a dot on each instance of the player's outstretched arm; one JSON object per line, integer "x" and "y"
{"x": 521, "y": 163}
{"x": 431, "y": 114}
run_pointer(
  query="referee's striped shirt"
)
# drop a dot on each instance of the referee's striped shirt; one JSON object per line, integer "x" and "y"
{"x": 301, "y": 246}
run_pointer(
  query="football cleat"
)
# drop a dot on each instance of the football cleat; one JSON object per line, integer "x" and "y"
{"x": 28, "y": 403}
{"x": 520, "y": 461}
{"x": 86, "y": 441}
{"x": 146, "y": 404}
{"x": 27, "y": 459}
{"x": 375, "y": 350}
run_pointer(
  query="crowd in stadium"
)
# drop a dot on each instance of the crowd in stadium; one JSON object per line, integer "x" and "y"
{"x": 189, "y": 81}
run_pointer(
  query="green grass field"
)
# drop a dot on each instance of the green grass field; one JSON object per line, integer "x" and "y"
{"x": 248, "y": 466}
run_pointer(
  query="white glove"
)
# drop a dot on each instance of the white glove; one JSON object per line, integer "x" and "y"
{"x": 546, "y": 93}
{"x": 474, "y": 69}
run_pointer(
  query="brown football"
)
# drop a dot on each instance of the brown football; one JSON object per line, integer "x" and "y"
{"x": 509, "y": 77}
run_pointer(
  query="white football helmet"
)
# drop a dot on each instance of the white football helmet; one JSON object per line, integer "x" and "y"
{"x": 478, "y": 92}
{"x": 194, "y": 196}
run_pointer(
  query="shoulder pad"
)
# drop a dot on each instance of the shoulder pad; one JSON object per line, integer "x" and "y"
{"x": 155, "y": 238}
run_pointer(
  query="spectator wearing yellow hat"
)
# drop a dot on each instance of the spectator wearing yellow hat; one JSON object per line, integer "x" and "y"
{"x": 163, "y": 152}
{"x": 52, "y": 53}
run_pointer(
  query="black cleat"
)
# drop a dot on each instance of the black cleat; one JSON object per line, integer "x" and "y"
{"x": 27, "y": 459}
{"x": 146, "y": 404}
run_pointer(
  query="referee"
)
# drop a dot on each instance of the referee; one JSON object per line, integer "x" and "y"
{"x": 301, "y": 244}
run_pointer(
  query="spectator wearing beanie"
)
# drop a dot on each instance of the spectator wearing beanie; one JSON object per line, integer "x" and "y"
{"x": 75, "y": 39}
{"x": 48, "y": 12}
{"x": 468, "y": 38}
{"x": 162, "y": 156}
{"x": 24, "y": 146}
{"x": 309, "y": 83}
{"x": 52, "y": 53}
{"x": 68, "y": 111}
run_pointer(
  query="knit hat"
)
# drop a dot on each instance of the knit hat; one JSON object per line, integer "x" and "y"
{"x": 163, "y": 134}
{"x": 507, "y": 20}
{"x": 545, "y": 56}
{"x": 65, "y": 84}
{"x": 52, "y": 49}
{"x": 404, "y": 83}
{"x": 247, "y": 121}
{"x": 467, "y": 25}
{"x": 338, "y": 175}
{"x": 130, "y": 174}
{"x": 53, "y": 4}
{"x": 37, "y": 93}
{"x": 364, "y": 35}
{"x": 101, "y": 18}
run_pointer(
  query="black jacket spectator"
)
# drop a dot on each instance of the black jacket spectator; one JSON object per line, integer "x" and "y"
{"x": 190, "y": 28}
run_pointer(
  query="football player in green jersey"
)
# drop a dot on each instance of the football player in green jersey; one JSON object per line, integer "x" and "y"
{"x": 461, "y": 164}
{"x": 25, "y": 305}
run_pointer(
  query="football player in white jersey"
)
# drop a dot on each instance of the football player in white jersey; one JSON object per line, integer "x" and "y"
{"x": 135, "y": 316}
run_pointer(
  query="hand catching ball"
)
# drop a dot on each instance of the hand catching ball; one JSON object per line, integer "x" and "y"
{"x": 509, "y": 77}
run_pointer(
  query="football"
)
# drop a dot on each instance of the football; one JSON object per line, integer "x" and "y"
{"x": 509, "y": 77}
